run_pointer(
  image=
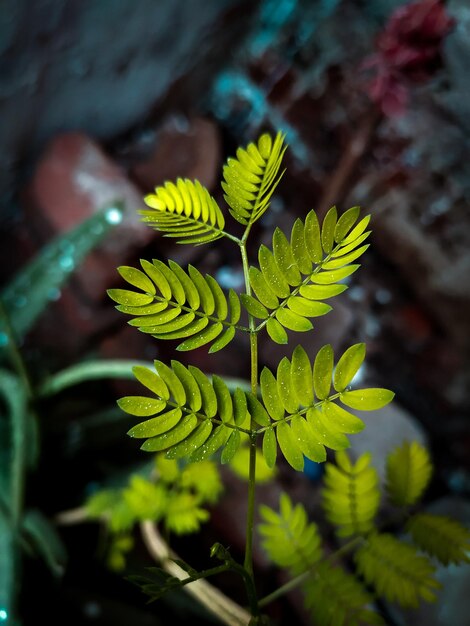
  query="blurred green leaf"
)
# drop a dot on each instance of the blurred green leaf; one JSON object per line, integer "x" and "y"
{"x": 45, "y": 540}
{"x": 35, "y": 285}
{"x": 7, "y": 567}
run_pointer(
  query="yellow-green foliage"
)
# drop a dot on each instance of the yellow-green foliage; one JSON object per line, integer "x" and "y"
{"x": 396, "y": 570}
{"x": 300, "y": 408}
{"x": 351, "y": 495}
{"x": 337, "y": 598}
{"x": 408, "y": 473}
{"x": 185, "y": 210}
{"x": 288, "y": 537}
{"x": 175, "y": 497}
{"x": 251, "y": 178}
{"x": 441, "y": 537}
{"x": 299, "y": 273}
{"x": 193, "y": 415}
{"x": 241, "y": 467}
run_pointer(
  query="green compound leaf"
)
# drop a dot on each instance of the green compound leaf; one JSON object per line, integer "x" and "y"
{"x": 367, "y": 399}
{"x": 441, "y": 537}
{"x": 175, "y": 304}
{"x": 284, "y": 258}
{"x": 202, "y": 478}
{"x": 240, "y": 465}
{"x": 323, "y": 372}
{"x": 294, "y": 278}
{"x": 270, "y": 395}
{"x": 301, "y": 378}
{"x": 251, "y": 178}
{"x": 351, "y": 495}
{"x": 254, "y": 307}
{"x": 231, "y": 447}
{"x": 337, "y": 598}
{"x": 345, "y": 223}
{"x": 183, "y": 514}
{"x": 306, "y": 416}
{"x": 289, "y": 539}
{"x": 357, "y": 231}
{"x": 194, "y": 415}
{"x": 257, "y": 410}
{"x": 348, "y": 366}
{"x": 276, "y": 331}
{"x": 185, "y": 211}
{"x": 29, "y": 291}
{"x": 328, "y": 230}
{"x": 141, "y": 406}
{"x": 396, "y": 571}
{"x": 408, "y": 472}
{"x": 270, "y": 448}
{"x": 289, "y": 446}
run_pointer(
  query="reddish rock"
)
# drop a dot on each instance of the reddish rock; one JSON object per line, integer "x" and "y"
{"x": 73, "y": 180}
{"x": 182, "y": 150}
{"x": 69, "y": 327}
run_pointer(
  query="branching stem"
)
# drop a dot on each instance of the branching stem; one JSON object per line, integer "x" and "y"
{"x": 248, "y": 563}
{"x": 298, "y": 580}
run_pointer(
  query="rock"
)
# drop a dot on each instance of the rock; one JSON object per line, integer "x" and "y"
{"x": 452, "y": 600}
{"x": 435, "y": 275}
{"x": 185, "y": 148}
{"x": 62, "y": 69}
{"x": 68, "y": 328}
{"x": 73, "y": 180}
{"x": 385, "y": 429}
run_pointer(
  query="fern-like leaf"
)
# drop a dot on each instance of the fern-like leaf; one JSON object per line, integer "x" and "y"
{"x": 289, "y": 539}
{"x": 396, "y": 571}
{"x": 109, "y": 505}
{"x": 408, "y": 472}
{"x": 337, "y": 598}
{"x": 174, "y": 304}
{"x": 203, "y": 479}
{"x": 351, "y": 496}
{"x": 183, "y": 514}
{"x": 251, "y": 178}
{"x": 190, "y": 415}
{"x": 145, "y": 500}
{"x": 157, "y": 582}
{"x": 184, "y": 210}
{"x": 441, "y": 537}
{"x": 294, "y": 279}
{"x": 301, "y": 412}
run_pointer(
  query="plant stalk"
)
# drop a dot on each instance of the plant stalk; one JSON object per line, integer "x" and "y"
{"x": 298, "y": 580}
{"x": 248, "y": 563}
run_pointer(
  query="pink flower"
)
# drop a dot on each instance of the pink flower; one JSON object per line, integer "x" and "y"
{"x": 408, "y": 52}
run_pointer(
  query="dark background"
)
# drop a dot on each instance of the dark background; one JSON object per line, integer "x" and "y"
{"x": 102, "y": 101}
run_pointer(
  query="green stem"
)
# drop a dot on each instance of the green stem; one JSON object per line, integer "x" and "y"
{"x": 249, "y": 586}
{"x": 298, "y": 580}
{"x": 213, "y": 571}
{"x": 248, "y": 563}
{"x": 110, "y": 368}
{"x": 89, "y": 370}
{"x": 21, "y": 412}
{"x": 19, "y": 425}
